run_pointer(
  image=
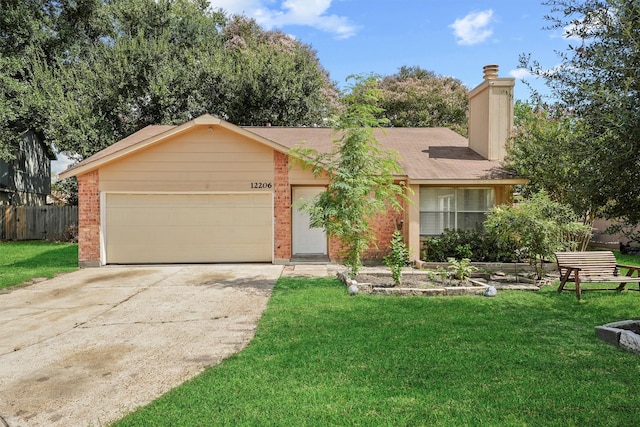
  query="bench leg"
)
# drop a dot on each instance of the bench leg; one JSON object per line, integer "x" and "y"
{"x": 578, "y": 290}
{"x": 563, "y": 280}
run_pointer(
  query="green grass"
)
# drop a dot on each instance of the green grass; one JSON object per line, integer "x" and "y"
{"x": 23, "y": 261}
{"x": 320, "y": 358}
{"x": 626, "y": 259}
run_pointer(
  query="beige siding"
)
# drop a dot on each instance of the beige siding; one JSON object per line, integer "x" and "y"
{"x": 198, "y": 160}
{"x": 299, "y": 176}
{"x": 491, "y": 117}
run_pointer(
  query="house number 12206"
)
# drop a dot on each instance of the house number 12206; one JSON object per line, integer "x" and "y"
{"x": 261, "y": 185}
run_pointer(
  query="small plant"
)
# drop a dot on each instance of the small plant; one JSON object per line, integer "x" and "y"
{"x": 461, "y": 269}
{"x": 397, "y": 258}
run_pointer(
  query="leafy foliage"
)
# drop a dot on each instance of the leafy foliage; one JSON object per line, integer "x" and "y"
{"x": 414, "y": 97}
{"x": 360, "y": 174}
{"x": 84, "y": 74}
{"x": 548, "y": 147}
{"x": 461, "y": 269}
{"x": 539, "y": 226}
{"x": 479, "y": 245}
{"x": 66, "y": 190}
{"x": 597, "y": 81}
{"x": 397, "y": 258}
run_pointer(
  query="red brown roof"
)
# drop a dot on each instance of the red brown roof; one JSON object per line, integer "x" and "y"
{"x": 427, "y": 154}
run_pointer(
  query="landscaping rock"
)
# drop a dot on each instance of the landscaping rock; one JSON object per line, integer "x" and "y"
{"x": 490, "y": 292}
{"x": 630, "y": 341}
{"x": 353, "y": 290}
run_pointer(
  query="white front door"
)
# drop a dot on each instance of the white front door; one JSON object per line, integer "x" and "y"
{"x": 306, "y": 240}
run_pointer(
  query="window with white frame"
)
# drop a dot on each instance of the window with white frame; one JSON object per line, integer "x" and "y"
{"x": 462, "y": 208}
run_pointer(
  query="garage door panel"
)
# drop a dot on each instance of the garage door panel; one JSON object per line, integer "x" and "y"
{"x": 168, "y": 228}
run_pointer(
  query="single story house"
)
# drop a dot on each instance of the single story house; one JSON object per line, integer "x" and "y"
{"x": 26, "y": 180}
{"x": 209, "y": 191}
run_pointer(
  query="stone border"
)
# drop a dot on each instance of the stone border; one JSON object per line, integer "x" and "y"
{"x": 478, "y": 288}
{"x": 616, "y": 334}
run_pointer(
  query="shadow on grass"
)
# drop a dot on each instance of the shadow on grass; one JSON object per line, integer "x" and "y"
{"x": 56, "y": 256}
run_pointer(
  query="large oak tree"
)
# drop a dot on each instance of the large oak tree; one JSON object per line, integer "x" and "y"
{"x": 86, "y": 73}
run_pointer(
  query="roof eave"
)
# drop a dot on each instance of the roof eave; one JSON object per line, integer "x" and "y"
{"x": 205, "y": 120}
{"x": 469, "y": 181}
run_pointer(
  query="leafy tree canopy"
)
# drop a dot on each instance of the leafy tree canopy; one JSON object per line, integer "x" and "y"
{"x": 545, "y": 148}
{"x": 415, "y": 97}
{"x": 86, "y": 73}
{"x": 598, "y": 83}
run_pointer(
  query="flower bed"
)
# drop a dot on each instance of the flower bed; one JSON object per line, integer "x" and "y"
{"x": 413, "y": 283}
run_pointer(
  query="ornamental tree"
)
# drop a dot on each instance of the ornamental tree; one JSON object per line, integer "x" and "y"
{"x": 360, "y": 174}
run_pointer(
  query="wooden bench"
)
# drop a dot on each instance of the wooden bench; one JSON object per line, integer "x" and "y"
{"x": 593, "y": 267}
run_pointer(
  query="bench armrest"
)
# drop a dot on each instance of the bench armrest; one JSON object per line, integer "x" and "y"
{"x": 629, "y": 267}
{"x": 570, "y": 267}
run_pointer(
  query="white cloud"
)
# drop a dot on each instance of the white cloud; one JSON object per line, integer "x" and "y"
{"x": 272, "y": 13}
{"x": 520, "y": 73}
{"x": 473, "y": 28}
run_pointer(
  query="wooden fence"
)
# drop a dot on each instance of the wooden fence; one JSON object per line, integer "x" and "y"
{"x": 37, "y": 222}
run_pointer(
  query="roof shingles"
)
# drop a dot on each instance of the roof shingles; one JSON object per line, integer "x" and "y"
{"x": 426, "y": 153}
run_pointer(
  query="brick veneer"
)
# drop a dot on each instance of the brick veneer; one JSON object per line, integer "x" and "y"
{"x": 282, "y": 208}
{"x": 384, "y": 225}
{"x": 89, "y": 219}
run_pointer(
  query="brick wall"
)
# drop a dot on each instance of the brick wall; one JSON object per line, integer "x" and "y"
{"x": 384, "y": 224}
{"x": 282, "y": 208}
{"x": 89, "y": 219}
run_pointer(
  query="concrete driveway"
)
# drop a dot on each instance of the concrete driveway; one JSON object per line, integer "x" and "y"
{"x": 85, "y": 348}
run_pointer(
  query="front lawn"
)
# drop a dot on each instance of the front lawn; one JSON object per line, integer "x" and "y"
{"x": 23, "y": 261}
{"x": 321, "y": 357}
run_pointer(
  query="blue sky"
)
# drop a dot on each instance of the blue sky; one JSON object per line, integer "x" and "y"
{"x": 450, "y": 37}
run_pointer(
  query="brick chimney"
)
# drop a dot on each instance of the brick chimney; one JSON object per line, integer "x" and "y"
{"x": 491, "y": 114}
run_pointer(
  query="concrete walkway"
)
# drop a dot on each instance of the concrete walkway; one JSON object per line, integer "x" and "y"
{"x": 85, "y": 348}
{"x": 312, "y": 270}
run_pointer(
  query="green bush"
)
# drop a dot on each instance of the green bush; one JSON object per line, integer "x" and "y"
{"x": 479, "y": 245}
{"x": 539, "y": 224}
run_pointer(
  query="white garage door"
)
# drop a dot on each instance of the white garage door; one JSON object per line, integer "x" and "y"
{"x": 188, "y": 228}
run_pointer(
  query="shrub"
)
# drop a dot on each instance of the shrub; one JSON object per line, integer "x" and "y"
{"x": 540, "y": 225}
{"x": 478, "y": 245}
{"x": 70, "y": 234}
